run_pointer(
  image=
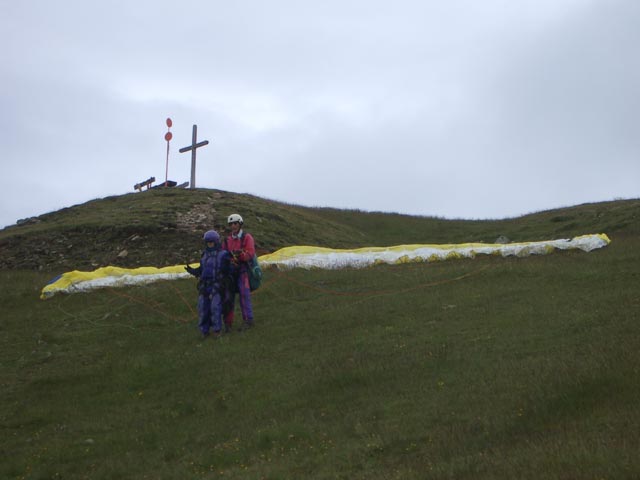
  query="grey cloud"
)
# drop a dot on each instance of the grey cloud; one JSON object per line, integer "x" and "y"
{"x": 462, "y": 109}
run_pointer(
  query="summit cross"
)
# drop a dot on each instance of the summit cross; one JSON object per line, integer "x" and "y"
{"x": 192, "y": 149}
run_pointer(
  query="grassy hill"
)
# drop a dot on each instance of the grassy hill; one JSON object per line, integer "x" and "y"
{"x": 161, "y": 227}
{"x": 488, "y": 368}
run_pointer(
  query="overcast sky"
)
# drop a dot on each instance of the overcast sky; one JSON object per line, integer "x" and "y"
{"x": 456, "y": 108}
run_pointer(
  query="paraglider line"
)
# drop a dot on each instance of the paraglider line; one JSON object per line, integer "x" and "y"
{"x": 374, "y": 293}
{"x": 157, "y": 307}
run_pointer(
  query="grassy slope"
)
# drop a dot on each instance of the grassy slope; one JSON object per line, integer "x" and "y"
{"x": 485, "y": 368}
{"x": 385, "y": 229}
{"x": 157, "y": 227}
{"x": 164, "y": 227}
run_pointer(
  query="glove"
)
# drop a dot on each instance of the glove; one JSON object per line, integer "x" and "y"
{"x": 191, "y": 270}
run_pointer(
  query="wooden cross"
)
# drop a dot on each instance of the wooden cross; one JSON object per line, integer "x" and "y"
{"x": 192, "y": 148}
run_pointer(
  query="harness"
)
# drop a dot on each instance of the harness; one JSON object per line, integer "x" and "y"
{"x": 251, "y": 267}
{"x": 226, "y": 247}
{"x": 210, "y": 278}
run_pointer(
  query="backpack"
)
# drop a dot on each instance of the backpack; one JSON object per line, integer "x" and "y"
{"x": 255, "y": 274}
{"x": 253, "y": 267}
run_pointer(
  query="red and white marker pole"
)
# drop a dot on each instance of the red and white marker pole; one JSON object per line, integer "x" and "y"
{"x": 168, "y": 136}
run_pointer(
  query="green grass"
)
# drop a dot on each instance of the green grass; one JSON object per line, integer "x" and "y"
{"x": 483, "y": 369}
{"x": 164, "y": 227}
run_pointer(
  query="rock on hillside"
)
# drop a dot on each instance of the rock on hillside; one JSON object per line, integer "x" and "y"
{"x": 87, "y": 249}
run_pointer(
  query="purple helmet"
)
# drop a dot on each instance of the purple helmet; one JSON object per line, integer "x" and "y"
{"x": 212, "y": 236}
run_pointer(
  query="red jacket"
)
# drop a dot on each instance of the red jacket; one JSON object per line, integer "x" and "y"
{"x": 243, "y": 244}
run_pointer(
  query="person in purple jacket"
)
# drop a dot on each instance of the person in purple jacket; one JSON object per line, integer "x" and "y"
{"x": 212, "y": 274}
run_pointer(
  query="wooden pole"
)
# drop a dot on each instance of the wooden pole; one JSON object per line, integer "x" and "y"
{"x": 194, "y": 137}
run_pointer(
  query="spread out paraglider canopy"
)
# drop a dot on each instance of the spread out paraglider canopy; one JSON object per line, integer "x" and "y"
{"x": 325, "y": 258}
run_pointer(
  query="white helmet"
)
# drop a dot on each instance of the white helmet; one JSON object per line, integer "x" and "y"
{"x": 234, "y": 217}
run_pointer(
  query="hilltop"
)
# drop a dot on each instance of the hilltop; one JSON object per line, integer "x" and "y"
{"x": 163, "y": 227}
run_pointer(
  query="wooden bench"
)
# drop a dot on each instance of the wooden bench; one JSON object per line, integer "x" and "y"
{"x": 147, "y": 183}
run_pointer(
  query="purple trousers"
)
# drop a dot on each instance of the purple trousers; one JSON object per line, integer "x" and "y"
{"x": 245, "y": 300}
{"x": 210, "y": 312}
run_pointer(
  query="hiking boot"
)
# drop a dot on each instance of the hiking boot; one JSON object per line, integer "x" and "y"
{"x": 227, "y": 328}
{"x": 216, "y": 335}
{"x": 245, "y": 326}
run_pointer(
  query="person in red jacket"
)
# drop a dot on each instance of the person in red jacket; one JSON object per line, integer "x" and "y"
{"x": 242, "y": 249}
